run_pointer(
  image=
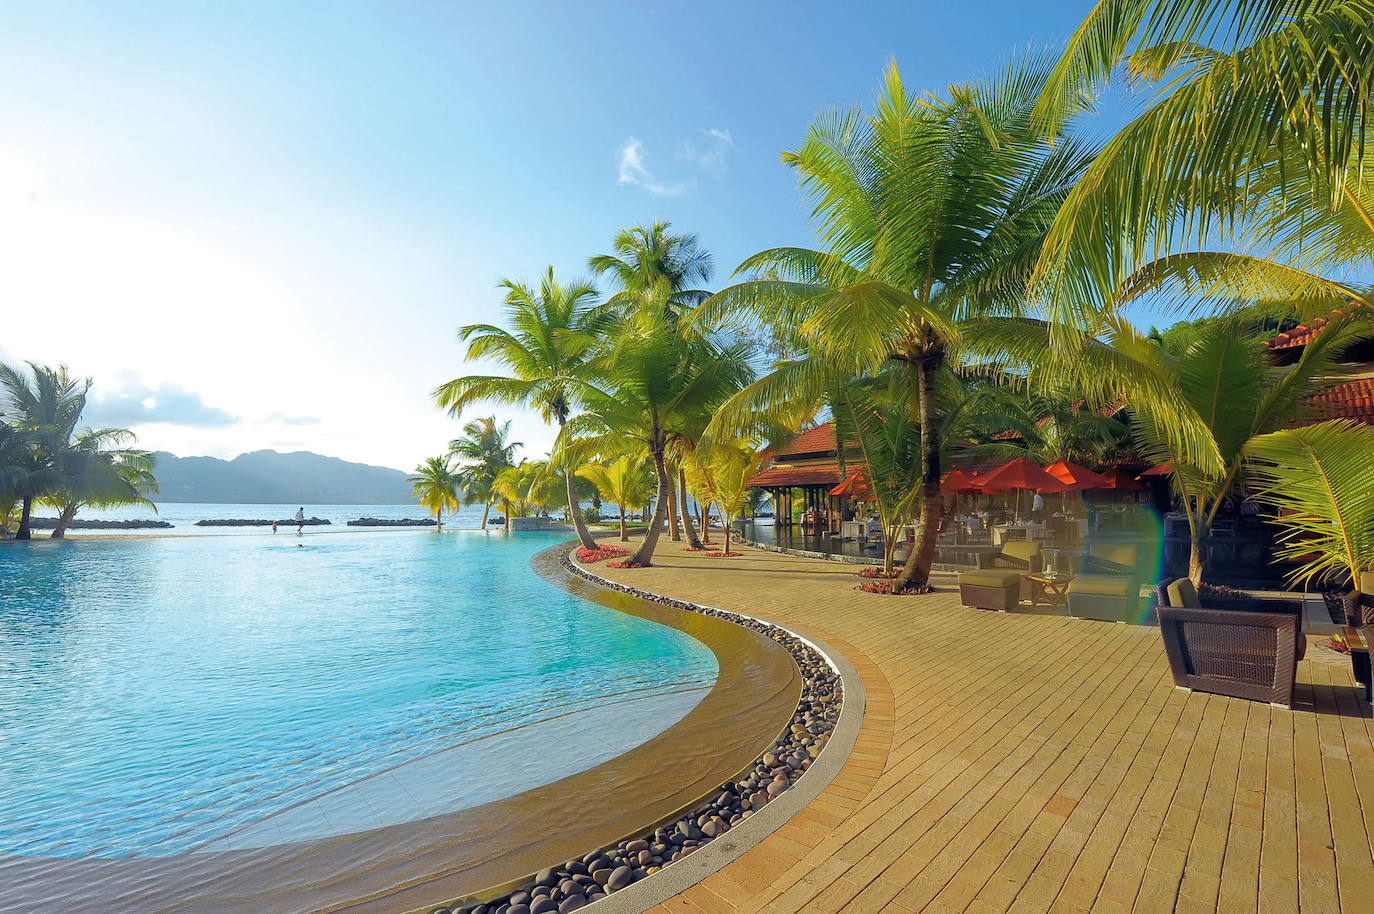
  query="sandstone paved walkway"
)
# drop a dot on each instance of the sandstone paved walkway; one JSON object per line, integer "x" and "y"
{"x": 1026, "y": 762}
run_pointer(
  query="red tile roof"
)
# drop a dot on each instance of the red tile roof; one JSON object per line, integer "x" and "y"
{"x": 820, "y": 475}
{"x": 819, "y": 440}
{"x": 1348, "y": 400}
{"x": 1302, "y": 334}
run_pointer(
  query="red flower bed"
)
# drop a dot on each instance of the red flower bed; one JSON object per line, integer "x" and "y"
{"x": 877, "y": 573}
{"x": 881, "y": 586}
{"x": 724, "y": 555}
{"x": 602, "y": 551}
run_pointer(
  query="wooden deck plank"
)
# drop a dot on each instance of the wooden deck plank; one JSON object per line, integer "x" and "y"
{"x": 1030, "y": 762}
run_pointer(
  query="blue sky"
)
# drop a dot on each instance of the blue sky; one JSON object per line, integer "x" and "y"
{"x": 258, "y": 224}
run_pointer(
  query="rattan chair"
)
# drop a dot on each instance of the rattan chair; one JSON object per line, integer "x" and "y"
{"x": 1359, "y": 603}
{"x": 1250, "y": 655}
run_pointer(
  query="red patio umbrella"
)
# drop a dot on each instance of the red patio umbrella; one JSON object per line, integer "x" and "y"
{"x": 1120, "y": 480}
{"x": 855, "y": 485}
{"x": 1076, "y": 478}
{"x": 1020, "y": 475}
{"x": 959, "y": 480}
{"x": 1164, "y": 469}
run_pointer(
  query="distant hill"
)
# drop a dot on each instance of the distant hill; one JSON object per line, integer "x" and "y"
{"x": 267, "y": 477}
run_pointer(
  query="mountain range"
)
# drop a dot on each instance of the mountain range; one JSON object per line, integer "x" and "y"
{"x": 269, "y": 477}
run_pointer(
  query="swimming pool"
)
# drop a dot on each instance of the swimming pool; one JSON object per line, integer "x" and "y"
{"x": 170, "y": 695}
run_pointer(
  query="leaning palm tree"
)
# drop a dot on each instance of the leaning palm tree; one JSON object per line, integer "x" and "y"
{"x": 484, "y": 450}
{"x": 1255, "y": 138}
{"x": 43, "y": 407}
{"x": 94, "y": 471}
{"x": 932, "y": 213}
{"x": 650, "y": 382}
{"x": 625, "y": 481}
{"x": 553, "y": 329}
{"x": 434, "y": 485}
{"x": 658, "y": 274}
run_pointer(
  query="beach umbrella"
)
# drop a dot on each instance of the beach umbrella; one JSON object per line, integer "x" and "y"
{"x": 1164, "y": 469}
{"x": 1075, "y": 478}
{"x": 855, "y": 485}
{"x": 1119, "y": 480}
{"x": 957, "y": 481}
{"x": 1020, "y": 475}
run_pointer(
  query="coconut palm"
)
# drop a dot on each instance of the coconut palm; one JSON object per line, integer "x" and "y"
{"x": 658, "y": 274}
{"x": 522, "y": 486}
{"x": 1196, "y": 409}
{"x": 1317, "y": 477}
{"x": 723, "y": 475}
{"x": 626, "y": 481}
{"x": 651, "y": 381}
{"x": 553, "y": 329}
{"x": 43, "y": 407}
{"x": 1255, "y": 137}
{"x": 94, "y": 471}
{"x": 655, "y": 263}
{"x": 484, "y": 450}
{"x": 932, "y": 213}
{"x": 434, "y": 485}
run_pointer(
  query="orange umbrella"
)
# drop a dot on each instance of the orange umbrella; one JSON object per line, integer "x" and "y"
{"x": 1120, "y": 480}
{"x": 1164, "y": 469}
{"x": 1075, "y": 478}
{"x": 1019, "y": 474}
{"x": 854, "y": 485}
{"x": 958, "y": 480}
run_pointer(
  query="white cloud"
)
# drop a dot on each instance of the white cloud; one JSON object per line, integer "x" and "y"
{"x": 633, "y": 171}
{"x": 135, "y": 403}
{"x": 284, "y": 419}
{"x": 709, "y": 150}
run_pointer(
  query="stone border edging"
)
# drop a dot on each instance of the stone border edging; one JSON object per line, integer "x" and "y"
{"x": 733, "y": 844}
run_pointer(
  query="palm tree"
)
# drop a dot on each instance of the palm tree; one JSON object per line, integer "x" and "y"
{"x": 43, "y": 408}
{"x": 725, "y": 471}
{"x": 1255, "y": 138}
{"x": 1317, "y": 477}
{"x": 1196, "y": 409}
{"x": 625, "y": 481}
{"x": 553, "y": 329}
{"x": 93, "y": 473}
{"x": 933, "y": 213}
{"x": 519, "y": 485}
{"x": 650, "y": 381}
{"x": 434, "y": 485}
{"x": 484, "y": 450}
{"x": 658, "y": 273}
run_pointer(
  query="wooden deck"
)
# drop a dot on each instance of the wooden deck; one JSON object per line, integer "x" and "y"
{"x": 1024, "y": 762}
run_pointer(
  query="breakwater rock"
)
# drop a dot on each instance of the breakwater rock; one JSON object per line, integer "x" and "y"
{"x": 392, "y": 522}
{"x": 257, "y": 522}
{"x": 50, "y": 523}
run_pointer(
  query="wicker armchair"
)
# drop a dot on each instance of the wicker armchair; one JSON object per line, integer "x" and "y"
{"x": 1019, "y": 555}
{"x": 1250, "y": 655}
{"x": 1359, "y": 603}
{"x": 1108, "y": 584}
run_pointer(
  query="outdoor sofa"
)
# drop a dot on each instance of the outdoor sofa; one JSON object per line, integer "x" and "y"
{"x": 1107, "y": 586}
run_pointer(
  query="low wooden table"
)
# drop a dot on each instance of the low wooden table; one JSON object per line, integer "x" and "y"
{"x": 1050, "y": 589}
{"x": 1359, "y": 659}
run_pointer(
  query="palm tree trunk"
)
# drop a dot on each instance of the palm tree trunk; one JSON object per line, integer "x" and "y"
{"x": 641, "y": 559}
{"x": 486, "y": 509}
{"x": 439, "y": 520}
{"x": 579, "y": 524}
{"x": 505, "y": 508}
{"x": 692, "y": 541}
{"x": 64, "y": 521}
{"x": 916, "y": 570}
{"x": 675, "y": 533}
{"x": 726, "y": 521}
{"x": 25, "y": 532}
{"x": 706, "y": 524}
{"x": 624, "y": 532}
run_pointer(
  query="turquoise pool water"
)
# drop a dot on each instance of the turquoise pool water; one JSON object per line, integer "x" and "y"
{"x": 160, "y": 694}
